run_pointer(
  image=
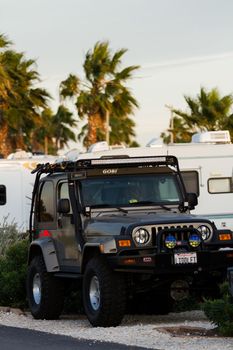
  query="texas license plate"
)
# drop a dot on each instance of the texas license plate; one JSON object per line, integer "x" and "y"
{"x": 185, "y": 258}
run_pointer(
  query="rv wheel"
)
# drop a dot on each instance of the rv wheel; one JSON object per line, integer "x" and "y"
{"x": 45, "y": 292}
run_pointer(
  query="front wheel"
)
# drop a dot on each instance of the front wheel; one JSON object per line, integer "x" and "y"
{"x": 45, "y": 292}
{"x": 104, "y": 294}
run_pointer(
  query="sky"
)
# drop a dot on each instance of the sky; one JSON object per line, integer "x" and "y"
{"x": 180, "y": 45}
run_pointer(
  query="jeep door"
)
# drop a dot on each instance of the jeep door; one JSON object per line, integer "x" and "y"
{"x": 66, "y": 238}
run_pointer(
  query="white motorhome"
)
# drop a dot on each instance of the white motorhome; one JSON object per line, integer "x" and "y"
{"x": 206, "y": 164}
{"x": 207, "y": 167}
{"x": 16, "y": 184}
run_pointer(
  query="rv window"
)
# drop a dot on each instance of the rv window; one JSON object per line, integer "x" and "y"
{"x": 191, "y": 181}
{"x": 46, "y": 203}
{"x": 220, "y": 185}
{"x": 2, "y": 194}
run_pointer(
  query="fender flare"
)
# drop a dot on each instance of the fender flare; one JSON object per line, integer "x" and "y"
{"x": 46, "y": 248}
{"x": 89, "y": 250}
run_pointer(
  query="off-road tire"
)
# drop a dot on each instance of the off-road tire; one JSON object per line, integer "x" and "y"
{"x": 112, "y": 286}
{"x": 52, "y": 291}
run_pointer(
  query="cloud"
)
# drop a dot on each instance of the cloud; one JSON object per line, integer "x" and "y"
{"x": 188, "y": 61}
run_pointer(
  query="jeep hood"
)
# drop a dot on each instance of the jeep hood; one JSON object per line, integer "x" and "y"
{"x": 115, "y": 224}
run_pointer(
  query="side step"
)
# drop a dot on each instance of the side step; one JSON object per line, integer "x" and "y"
{"x": 68, "y": 275}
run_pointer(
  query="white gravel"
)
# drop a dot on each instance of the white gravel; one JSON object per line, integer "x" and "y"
{"x": 134, "y": 330}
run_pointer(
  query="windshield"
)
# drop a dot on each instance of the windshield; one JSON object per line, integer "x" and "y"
{"x": 130, "y": 190}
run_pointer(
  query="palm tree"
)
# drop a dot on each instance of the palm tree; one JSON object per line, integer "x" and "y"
{"x": 180, "y": 130}
{"x": 5, "y": 91}
{"x": 208, "y": 111}
{"x": 20, "y": 102}
{"x": 62, "y": 122}
{"x": 122, "y": 132}
{"x": 41, "y": 139}
{"x": 103, "y": 92}
{"x": 24, "y": 111}
{"x": 53, "y": 131}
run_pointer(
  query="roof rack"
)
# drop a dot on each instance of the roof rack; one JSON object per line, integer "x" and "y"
{"x": 118, "y": 161}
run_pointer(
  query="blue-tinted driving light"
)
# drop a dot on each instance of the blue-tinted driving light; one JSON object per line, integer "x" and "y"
{"x": 170, "y": 241}
{"x": 194, "y": 240}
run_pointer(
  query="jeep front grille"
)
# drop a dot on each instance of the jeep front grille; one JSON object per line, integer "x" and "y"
{"x": 180, "y": 232}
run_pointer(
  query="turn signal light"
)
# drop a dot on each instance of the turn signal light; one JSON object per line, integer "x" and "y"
{"x": 224, "y": 237}
{"x": 124, "y": 243}
{"x": 129, "y": 261}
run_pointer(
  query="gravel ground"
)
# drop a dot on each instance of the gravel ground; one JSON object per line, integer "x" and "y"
{"x": 134, "y": 330}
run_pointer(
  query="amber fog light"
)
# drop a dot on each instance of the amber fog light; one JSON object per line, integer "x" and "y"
{"x": 224, "y": 236}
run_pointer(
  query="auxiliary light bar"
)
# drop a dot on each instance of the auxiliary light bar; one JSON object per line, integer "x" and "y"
{"x": 127, "y": 160}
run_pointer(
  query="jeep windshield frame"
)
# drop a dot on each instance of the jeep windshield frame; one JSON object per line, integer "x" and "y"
{"x": 132, "y": 190}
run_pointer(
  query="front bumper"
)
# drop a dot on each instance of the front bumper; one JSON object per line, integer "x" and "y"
{"x": 164, "y": 263}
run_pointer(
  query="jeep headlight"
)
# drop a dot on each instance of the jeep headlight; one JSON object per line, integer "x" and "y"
{"x": 204, "y": 231}
{"x": 141, "y": 236}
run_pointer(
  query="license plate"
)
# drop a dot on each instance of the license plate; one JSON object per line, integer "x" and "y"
{"x": 185, "y": 258}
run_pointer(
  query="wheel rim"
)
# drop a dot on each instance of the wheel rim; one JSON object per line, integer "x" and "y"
{"x": 94, "y": 293}
{"x": 36, "y": 288}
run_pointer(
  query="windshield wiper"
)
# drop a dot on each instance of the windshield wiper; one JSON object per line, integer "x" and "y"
{"x": 95, "y": 206}
{"x": 152, "y": 203}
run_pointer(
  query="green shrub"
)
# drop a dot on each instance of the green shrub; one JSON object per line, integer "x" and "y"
{"x": 220, "y": 312}
{"x": 9, "y": 234}
{"x": 13, "y": 268}
{"x": 187, "y": 304}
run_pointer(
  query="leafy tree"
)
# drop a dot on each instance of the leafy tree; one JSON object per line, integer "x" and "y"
{"x": 122, "y": 132}
{"x": 20, "y": 102}
{"x": 54, "y": 130}
{"x": 24, "y": 110}
{"x": 42, "y": 134}
{"x": 62, "y": 122}
{"x": 102, "y": 92}
{"x": 181, "y": 132}
{"x": 5, "y": 91}
{"x": 208, "y": 111}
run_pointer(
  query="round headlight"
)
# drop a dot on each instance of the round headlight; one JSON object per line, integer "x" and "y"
{"x": 204, "y": 231}
{"x": 170, "y": 241}
{"x": 194, "y": 240}
{"x": 141, "y": 236}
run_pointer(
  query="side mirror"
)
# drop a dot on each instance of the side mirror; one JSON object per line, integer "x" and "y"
{"x": 63, "y": 206}
{"x": 192, "y": 200}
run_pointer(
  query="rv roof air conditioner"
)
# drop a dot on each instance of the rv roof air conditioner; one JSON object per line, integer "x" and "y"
{"x": 98, "y": 147}
{"x": 20, "y": 154}
{"x": 103, "y": 146}
{"x": 222, "y": 136}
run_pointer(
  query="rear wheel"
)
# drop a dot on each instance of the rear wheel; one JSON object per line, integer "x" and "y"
{"x": 104, "y": 295}
{"x": 45, "y": 292}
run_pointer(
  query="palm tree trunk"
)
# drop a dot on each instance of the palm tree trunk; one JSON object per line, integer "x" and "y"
{"x": 94, "y": 123}
{"x": 20, "y": 141}
{"x": 46, "y": 145}
{"x": 5, "y": 147}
